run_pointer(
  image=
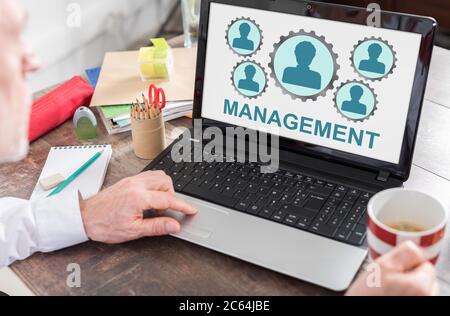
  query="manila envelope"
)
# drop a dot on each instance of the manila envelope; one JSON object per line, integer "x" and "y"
{"x": 120, "y": 80}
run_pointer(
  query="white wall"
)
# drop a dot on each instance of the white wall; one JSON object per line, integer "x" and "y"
{"x": 106, "y": 25}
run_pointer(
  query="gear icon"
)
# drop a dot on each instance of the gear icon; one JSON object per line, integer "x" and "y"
{"x": 334, "y": 77}
{"x": 356, "y": 117}
{"x": 384, "y": 43}
{"x": 263, "y": 73}
{"x": 257, "y": 46}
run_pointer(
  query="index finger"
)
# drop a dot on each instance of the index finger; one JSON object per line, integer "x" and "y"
{"x": 404, "y": 258}
{"x": 163, "y": 201}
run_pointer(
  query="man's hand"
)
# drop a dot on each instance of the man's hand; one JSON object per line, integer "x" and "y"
{"x": 116, "y": 214}
{"x": 404, "y": 272}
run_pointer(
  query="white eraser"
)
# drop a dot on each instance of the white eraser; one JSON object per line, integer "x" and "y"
{"x": 52, "y": 181}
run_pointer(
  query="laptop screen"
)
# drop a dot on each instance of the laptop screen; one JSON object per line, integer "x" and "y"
{"x": 342, "y": 86}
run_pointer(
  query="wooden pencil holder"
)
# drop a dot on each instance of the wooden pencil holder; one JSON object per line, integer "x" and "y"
{"x": 149, "y": 137}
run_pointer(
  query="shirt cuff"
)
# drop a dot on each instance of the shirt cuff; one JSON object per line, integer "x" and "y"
{"x": 58, "y": 221}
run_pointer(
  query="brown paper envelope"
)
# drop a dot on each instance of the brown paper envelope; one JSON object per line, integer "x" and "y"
{"x": 120, "y": 80}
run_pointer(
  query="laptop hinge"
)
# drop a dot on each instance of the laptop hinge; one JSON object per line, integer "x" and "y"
{"x": 383, "y": 176}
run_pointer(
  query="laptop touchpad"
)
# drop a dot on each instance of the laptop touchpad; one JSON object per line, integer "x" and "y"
{"x": 202, "y": 225}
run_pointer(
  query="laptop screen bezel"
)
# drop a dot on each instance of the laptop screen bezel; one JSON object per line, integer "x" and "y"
{"x": 424, "y": 26}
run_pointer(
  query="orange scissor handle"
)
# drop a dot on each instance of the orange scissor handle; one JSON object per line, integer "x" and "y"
{"x": 157, "y": 96}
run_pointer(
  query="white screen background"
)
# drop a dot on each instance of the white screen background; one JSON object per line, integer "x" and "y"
{"x": 393, "y": 93}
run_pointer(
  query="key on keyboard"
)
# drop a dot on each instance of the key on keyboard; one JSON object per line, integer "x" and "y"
{"x": 296, "y": 200}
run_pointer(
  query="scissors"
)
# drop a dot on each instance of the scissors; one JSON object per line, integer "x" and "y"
{"x": 157, "y": 97}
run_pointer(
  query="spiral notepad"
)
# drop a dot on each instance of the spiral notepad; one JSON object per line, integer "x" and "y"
{"x": 66, "y": 160}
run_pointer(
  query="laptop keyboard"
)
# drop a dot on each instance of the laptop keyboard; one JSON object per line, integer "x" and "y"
{"x": 296, "y": 200}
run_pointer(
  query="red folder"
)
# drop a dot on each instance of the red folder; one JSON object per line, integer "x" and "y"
{"x": 58, "y": 106}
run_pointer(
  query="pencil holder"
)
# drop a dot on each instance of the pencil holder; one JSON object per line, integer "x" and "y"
{"x": 149, "y": 137}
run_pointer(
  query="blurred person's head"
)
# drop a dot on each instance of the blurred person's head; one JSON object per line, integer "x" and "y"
{"x": 16, "y": 60}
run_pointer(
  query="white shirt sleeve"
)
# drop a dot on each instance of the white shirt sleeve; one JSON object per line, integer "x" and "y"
{"x": 45, "y": 225}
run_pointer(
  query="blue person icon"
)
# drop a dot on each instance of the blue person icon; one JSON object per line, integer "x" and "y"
{"x": 354, "y": 105}
{"x": 249, "y": 83}
{"x": 244, "y": 42}
{"x": 373, "y": 64}
{"x": 302, "y": 75}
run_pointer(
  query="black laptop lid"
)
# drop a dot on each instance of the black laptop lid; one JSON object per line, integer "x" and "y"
{"x": 318, "y": 76}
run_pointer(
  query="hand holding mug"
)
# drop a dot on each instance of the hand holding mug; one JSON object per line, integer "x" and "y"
{"x": 405, "y": 271}
{"x": 399, "y": 215}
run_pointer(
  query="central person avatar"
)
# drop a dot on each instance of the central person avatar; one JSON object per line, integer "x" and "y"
{"x": 304, "y": 65}
{"x": 302, "y": 75}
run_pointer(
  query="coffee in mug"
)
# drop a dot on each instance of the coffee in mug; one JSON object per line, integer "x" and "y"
{"x": 409, "y": 227}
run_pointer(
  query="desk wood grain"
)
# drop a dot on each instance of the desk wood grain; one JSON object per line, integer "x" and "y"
{"x": 168, "y": 266}
{"x": 152, "y": 266}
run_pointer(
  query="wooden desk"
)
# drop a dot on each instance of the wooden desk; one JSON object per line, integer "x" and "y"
{"x": 168, "y": 266}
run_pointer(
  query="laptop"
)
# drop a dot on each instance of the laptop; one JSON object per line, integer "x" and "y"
{"x": 339, "y": 99}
